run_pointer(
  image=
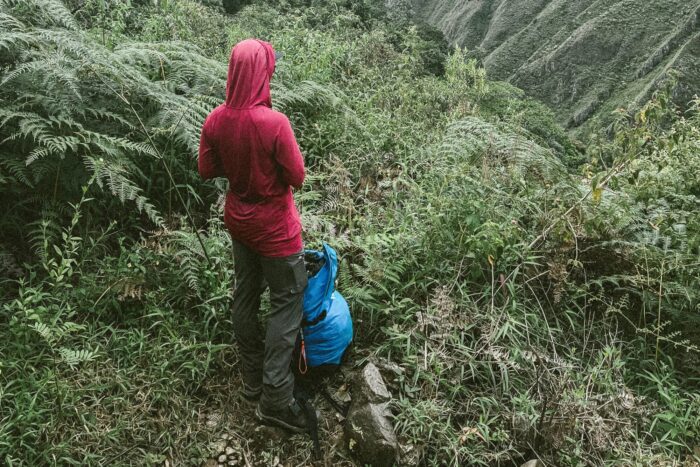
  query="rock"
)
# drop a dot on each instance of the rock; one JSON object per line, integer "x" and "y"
{"x": 271, "y": 433}
{"x": 409, "y": 456}
{"x": 368, "y": 428}
{"x": 217, "y": 447}
{"x": 213, "y": 420}
{"x": 222, "y": 458}
{"x": 370, "y": 435}
{"x": 369, "y": 386}
{"x": 233, "y": 462}
{"x": 533, "y": 463}
{"x": 229, "y": 450}
{"x": 342, "y": 394}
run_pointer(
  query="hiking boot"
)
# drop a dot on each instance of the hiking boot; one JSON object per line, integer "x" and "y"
{"x": 291, "y": 418}
{"x": 251, "y": 396}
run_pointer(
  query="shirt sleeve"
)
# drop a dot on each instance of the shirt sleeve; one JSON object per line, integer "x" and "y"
{"x": 288, "y": 155}
{"x": 209, "y": 164}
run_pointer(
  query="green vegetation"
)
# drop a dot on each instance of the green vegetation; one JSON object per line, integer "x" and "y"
{"x": 525, "y": 297}
{"x": 583, "y": 58}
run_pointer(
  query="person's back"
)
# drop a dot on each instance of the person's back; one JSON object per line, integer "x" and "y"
{"x": 256, "y": 150}
{"x": 254, "y": 147}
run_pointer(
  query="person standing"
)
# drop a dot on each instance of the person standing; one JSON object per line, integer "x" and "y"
{"x": 254, "y": 147}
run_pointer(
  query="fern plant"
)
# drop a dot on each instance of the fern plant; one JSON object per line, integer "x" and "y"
{"x": 74, "y": 109}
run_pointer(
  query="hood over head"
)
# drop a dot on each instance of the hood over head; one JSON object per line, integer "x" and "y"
{"x": 250, "y": 69}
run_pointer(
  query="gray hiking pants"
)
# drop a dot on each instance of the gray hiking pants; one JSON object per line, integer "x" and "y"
{"x": 266, "y": 362}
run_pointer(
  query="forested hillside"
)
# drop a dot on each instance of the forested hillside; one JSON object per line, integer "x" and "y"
{"x": 524, "y": 295}
{"x": 583, "y": 58}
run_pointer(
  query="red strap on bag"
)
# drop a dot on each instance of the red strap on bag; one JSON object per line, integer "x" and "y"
{"x": 302, "y": 357}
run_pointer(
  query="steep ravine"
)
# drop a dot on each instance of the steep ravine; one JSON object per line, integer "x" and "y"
{"x": 583, "y": 58}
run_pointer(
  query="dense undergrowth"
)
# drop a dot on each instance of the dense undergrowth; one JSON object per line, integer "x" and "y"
{"x": 525, "y": 297}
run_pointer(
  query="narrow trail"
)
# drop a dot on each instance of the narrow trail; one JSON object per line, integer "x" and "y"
{"x": 238, "y": 439}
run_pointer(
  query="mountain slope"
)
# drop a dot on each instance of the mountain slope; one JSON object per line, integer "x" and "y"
{"x": 583, "y": 58}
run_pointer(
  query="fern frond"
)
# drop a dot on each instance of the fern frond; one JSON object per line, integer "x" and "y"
{"x": 45, "y": 12}
{"x": 71, "y": 327}
{"x": 120, "y": 186}
{"x": 73, "y": 357}
{"x": 9, "y": 23}
{"x": 306, "y": 94}
{"x": 17, "y": 169}
{"x": 45, "y": 332}
{"x": 42, "y": 234}
{"x": 52, "y": 70}
{"x": 54, "y": 145}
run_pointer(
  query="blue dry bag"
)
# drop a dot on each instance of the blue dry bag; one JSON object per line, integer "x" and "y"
{"x": 327, "y": 326}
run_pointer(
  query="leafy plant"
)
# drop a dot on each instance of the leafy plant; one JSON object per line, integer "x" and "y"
{"x": 524, "y": 297}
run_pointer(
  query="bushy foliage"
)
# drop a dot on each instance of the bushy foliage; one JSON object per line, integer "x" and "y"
{"x": 74, "y": 108}
{"x": 516, "y": 306}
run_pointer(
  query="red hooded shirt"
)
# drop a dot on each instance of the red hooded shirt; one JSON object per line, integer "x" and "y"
{"x": 254, "y": 147}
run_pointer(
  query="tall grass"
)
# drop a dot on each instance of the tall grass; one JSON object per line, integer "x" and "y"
{"x": 518, "y": 303}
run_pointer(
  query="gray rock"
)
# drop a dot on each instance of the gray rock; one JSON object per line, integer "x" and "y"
{"x": 533, "y": 463}
{"x": 229, "y": 450}
{"x": 369, "y": 386}
{"x": 271, "y": 433}
{"x": 217, "y": 447}
{"x": 409, "y": 456}
{"x": 370, "y": 435}
{"x": 222, "y": 458}
{"x": 368, "y": 428}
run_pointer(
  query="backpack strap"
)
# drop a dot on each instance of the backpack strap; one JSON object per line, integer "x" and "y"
{"x": 312, "y": 419}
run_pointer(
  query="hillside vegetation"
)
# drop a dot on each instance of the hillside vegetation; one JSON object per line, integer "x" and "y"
{"x": 523, "y": 295}
{"x": 583, "y": 58}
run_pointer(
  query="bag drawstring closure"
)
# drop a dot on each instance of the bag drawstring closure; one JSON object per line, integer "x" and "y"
{"x": 303, "y": 365}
